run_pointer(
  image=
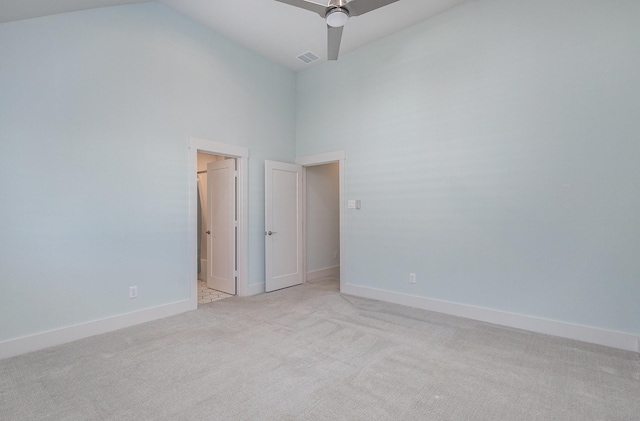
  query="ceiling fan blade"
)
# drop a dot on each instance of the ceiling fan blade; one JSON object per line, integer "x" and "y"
{"x": 360, "y": 7}
{"x": 335, "y": 35}
{"x": 307, "y": 5}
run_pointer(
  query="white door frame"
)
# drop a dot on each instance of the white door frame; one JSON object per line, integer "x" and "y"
{"x": 242, "y": 156}
{"x": 321, "y": 159}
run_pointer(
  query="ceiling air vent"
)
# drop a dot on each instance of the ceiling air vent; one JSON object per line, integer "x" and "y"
{"x": 308, "y": 57}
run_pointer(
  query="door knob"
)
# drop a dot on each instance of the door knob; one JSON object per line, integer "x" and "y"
{"x": 271, "y": 232}
{"x": 208, "y": 232}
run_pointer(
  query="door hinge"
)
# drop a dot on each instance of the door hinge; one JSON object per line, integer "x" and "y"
{"x": 235, "y": 224}
{"x": 235, "y": 273}
{"x": 235, "y": 174}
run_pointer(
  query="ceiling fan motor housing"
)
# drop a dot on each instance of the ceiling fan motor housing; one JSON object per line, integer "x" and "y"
{"x": 337, "y": 17}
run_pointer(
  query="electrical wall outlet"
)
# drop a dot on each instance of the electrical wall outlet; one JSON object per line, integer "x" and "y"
{"x": 133, "y": 292}
{"x": 412, "y": 278}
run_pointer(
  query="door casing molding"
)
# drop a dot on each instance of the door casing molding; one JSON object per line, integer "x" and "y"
{"x": 340, "y": 157}
{"x": 242, "y": 156}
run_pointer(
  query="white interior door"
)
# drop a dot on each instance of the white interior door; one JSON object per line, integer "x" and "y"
{"x": 283, "y": 225}
{"x": 221, "y": 246}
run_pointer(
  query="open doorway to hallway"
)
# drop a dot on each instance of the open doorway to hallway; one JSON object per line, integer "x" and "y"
{"x": 322, "y": 204}
{"x": 327, "y": 264}
{"x": 303, "y": 222}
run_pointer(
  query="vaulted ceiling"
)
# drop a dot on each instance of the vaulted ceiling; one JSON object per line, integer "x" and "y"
{"x": 275, "y": 30}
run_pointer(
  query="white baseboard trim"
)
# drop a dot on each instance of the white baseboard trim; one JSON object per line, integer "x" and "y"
{"x": 610, "y": 338}
{"x": 64, "y": 335}
{"x": 254, "y": 289}
{"x": 330, "y": 272}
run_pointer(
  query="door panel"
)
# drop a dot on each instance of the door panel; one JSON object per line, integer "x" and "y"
{"x": 222, "y": 239}
{"x": 283, "y": 225}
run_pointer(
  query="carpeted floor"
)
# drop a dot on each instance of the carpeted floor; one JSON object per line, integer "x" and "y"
{"x": 308, "y": 353}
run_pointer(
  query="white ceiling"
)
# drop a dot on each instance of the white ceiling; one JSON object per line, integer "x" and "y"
{"x": 275, "y": 30}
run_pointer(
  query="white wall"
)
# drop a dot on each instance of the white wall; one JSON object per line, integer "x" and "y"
{"x": 96, "y": 110}
{"x": 323, "y": 217}
{"x": 495, "y": 150}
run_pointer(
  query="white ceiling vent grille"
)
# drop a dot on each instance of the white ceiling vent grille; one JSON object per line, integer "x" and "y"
{"x": 308, "y": 57}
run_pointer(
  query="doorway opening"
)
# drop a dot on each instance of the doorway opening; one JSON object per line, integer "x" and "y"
{"x": 217, "y": 232}
{"x": 229, "y": 188}
{"x": 322, "y": 216}
{"x": 325, "y": 193}
{"x": 289, "y": 257}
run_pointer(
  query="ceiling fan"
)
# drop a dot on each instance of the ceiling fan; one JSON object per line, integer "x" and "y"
{"x": 336, "y": 13}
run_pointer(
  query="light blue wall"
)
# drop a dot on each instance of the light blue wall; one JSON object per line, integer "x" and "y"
{"x": 496, "y": 151}
{"x": 96, "y": 109}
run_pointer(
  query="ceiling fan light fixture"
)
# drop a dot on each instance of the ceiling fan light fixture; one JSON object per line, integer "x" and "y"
{"x": 337, "y": 17}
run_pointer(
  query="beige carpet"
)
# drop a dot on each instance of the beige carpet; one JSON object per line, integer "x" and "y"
{"x": 308, "y": 353}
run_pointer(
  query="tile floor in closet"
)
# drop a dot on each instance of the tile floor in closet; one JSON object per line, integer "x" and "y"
{"x": 207, "y": 295}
